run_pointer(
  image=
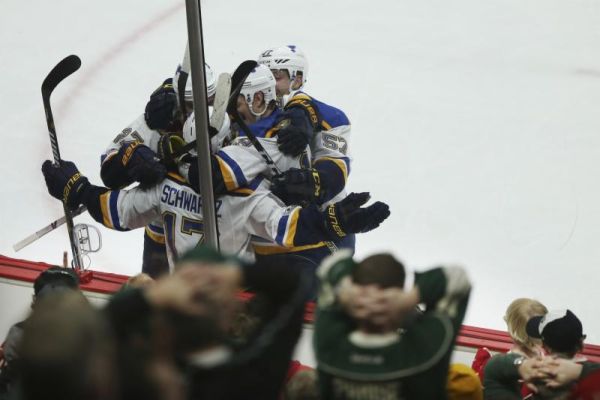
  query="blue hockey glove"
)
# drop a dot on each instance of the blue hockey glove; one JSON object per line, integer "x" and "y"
{"x": 162, "y": 110}
{"x": 142, "y": 164}
{"x": 347, "y": 216}
{"x": 294, "y": 132}
{"x": 65, "y": 182}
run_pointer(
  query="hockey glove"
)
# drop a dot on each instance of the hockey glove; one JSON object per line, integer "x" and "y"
{"x": 142, "y": 164}
{"x": 294, "y": 132}
{"x": 298, "y": 186}
{"x": 170, "y": 147}
{"x": 162, "y": 110}
{"x": 347, "y": 216}
{"x": 65, "y": 182}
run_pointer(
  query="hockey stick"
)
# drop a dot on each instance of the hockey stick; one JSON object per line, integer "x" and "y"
{"x": 47, "y": 229}
{"x": 184, "y": 73}
{"x": 62, "y": 70}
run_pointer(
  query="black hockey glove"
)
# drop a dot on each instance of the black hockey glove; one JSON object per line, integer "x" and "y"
{"x": 162, "y": 110}
{"x": 347, "y": 216}
{"x": 294, "y": 132}
{"x": 65, "y": 182}
{"x": 170, "y": 147}
{"x": 142, "y": 164}
{"x": 298, "y": 186}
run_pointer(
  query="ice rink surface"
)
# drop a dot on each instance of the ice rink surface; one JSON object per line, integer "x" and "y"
{"x": 477, "y": 122}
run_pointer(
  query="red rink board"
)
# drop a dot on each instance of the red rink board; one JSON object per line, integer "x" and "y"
{"x": 102, "y": 282}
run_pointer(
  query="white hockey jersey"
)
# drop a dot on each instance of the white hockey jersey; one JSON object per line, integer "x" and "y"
{"x": 250, "y": 211}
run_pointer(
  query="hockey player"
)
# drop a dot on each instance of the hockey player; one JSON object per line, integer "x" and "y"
{"x": 253, "y": 210}
{"x": 330, "y": 131}
{"x": 135, "y": 155}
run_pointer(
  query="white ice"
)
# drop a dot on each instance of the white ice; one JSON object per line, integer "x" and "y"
{"x": 476, "y": 121}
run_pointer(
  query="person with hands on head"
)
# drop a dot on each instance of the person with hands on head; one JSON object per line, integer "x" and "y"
{"x": 370, "y": 340}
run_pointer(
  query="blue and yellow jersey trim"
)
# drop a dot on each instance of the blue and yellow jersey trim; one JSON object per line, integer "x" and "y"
{"x": 270, "y": 250}
{"x": 330, "y": 116}
{"x": 156, "y": 233}
{"x": 110, "y": 212}
{"x": 178, "y": 178}
{"x": 343, "y": 163}
{"x": 247, "y": 190}
{"x": 233, "y": 177}
{"x": 286, "y": 229}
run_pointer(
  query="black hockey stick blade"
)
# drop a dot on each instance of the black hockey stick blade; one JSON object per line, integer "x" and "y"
{"x": 63, "y": 69}
{"x": 237, "y": 81}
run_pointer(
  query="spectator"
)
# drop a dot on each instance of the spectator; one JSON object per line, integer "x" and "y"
{"x": 52, "y": 280}
{"x": 517, "y": 314}
{"x": 562, "y": 337}
{"x": 361, "y": 353}
{"x": 199, "y": 304}
{"x": 66, "y": 351}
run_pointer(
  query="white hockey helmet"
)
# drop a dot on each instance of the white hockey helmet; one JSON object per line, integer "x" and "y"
{"x": 289, "y": 58}
{"x": 216, "y": 142}
{"x": 211, "y": 83}
{"x": 261, "y": 79}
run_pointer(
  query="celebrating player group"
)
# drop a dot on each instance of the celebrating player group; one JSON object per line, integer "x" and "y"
{"x": 280, "y": 160}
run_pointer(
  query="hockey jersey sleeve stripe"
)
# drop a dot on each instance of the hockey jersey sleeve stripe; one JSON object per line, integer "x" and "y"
{"x": 158, "y": 238}
{"x": 268, "y": 250}
{"x": 106, "y": 157}
{"x": 271, "y": 132}
{"x": 104, "y": 198}
{"x": 286, "y": 229}
{"x": 342, "y": 163}
{"x": 110, "y": 213}
{"x": 291, "y": 231}
{"x": 231, "y": 171}
{"x": 177, "y": 178}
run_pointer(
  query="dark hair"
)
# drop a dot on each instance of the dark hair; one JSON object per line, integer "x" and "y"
{"x": 56, "y": 277}
{"x": 382, "y": 270}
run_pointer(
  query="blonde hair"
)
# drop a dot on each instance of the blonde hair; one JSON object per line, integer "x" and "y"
{"x": 516, "y": 317}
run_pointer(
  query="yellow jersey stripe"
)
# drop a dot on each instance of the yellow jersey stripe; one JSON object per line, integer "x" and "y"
{"x": 268, "y": 250}
{"x": 175, "y": 176}
{"x": 325, "y": 125}
{"x": 292, "y": 226}
{"x": 157, "y": 237}
{"x": 228, "y": 177}
{"x": 106, "y": 220}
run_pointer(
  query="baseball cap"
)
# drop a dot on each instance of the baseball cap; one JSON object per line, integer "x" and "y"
{"x": 560, "y": 330}
{"x": 55, "y": 279}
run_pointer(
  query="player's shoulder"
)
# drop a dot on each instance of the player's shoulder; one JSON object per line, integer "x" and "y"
{"x": 331, "y": 115}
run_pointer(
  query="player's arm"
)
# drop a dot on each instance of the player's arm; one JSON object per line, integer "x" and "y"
{"x": 116, "y": 209}
{"x": 297, "y": 226}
